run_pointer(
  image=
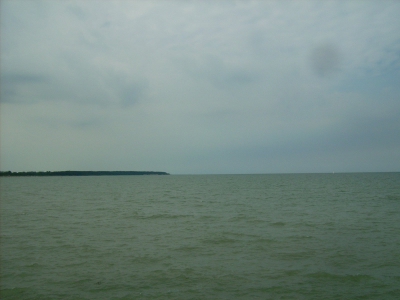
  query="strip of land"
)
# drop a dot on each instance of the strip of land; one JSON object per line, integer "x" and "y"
{"x": 81, "y": 173}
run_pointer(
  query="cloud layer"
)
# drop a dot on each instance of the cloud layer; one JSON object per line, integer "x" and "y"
{"x": 200, "y": 86}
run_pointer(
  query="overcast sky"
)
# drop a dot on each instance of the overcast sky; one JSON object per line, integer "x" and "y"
{"x": 200, "y": 87}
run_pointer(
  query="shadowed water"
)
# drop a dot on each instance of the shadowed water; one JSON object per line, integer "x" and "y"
{"x": 294, "y": 236}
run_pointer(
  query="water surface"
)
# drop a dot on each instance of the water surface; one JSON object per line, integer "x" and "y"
{"x": 289, "y": 236}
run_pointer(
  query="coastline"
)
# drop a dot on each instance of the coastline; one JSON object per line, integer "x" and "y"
{"x": 81, "y": 173}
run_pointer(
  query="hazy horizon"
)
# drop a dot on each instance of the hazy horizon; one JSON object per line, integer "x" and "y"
{"x": 168, "y": 173}
{"x": 200, "y": 87}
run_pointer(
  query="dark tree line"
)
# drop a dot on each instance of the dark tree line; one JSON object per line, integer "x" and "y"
{"x": 81, "y": 173}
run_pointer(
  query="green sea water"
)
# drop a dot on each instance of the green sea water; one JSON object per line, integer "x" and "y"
{"x": 287, "y": 236}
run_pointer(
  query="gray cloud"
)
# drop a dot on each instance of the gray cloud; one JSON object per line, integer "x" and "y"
{"x": 13, "y": 84}
{"x": 200, "y": 87}
{"x": 325, "y": 60}
{"x": 16, "y": 79}
{"x": 75, "y": 123}
{"x": 78, "y": 12}
{"x": 219, "y": 73}
{"x": 131, "y": 93}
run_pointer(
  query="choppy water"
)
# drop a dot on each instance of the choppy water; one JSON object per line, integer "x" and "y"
{"x": 299, "y": 236}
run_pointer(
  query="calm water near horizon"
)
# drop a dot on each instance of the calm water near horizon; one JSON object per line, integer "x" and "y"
{"x": 281, "y": 236}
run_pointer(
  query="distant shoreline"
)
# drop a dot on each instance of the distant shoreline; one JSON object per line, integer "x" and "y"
{"x": 82, "y": 173}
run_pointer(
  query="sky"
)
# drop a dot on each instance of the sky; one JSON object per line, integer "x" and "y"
{"x": 200, "y": 87}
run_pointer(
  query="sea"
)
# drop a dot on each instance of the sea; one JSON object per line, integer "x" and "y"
{"x": 272, "y": 236}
